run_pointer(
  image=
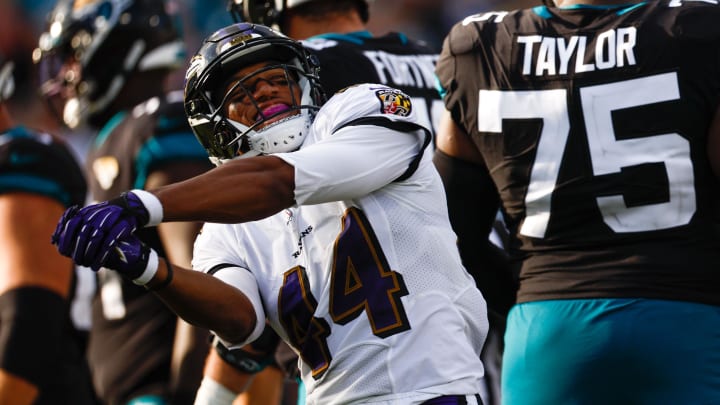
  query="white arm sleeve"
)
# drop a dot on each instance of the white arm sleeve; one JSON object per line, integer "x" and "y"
{"x": 244, "y": 281}
{"x": 352, "y": 163}
{"x": 212, "y": 392}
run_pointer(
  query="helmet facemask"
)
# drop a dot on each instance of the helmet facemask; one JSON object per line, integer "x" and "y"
{"x": 231, "y": 138}
{"x": 214, "y": 88}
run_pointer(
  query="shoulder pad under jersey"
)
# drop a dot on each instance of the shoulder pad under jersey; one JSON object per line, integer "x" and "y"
{"x": 366, "y": 100}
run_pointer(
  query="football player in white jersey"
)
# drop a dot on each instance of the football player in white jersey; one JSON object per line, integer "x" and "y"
{"x": 330, "y": 223}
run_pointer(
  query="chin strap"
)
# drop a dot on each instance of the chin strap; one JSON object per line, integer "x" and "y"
{"x": 218, "y": 161}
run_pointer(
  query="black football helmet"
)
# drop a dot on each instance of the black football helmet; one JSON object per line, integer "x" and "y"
{"x": 270, "y": 12}
{"x": 212, "y": 68}
{"x": 7, "y": 81}
{"x": 110, "y": 40}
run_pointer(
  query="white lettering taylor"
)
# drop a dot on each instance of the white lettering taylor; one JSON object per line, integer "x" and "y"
{"x": 557, "y": 56}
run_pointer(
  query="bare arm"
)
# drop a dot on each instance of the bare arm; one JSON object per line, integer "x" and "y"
{"x": 207, "y": 302}
{"x": 473, "y": 203}
{"x": 28, "y": 259}
{"x": 200, "y": 299}
{"x": 472, "y": 197}
{"x": 225, "y": 374}
{"x": 238, "y": 191}
{"x": 453, "y": 141}
{"x": 265, "y": 387}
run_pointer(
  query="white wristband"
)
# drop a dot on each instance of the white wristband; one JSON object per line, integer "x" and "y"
{"x": 152, "y": 205}
{"x": 212, "y": 392}
{"x": 150, "y": 270}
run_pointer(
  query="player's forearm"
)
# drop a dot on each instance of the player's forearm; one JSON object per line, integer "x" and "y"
{"x": 205, "y": 301}
{"x": 238, "y": 191}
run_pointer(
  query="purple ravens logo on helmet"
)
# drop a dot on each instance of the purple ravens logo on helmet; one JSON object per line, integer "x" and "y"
{"x": 394, "y": 101}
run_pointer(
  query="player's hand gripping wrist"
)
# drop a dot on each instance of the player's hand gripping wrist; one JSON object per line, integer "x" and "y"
{"x": 133, "y": 259}
{"x": 88, "y": 235}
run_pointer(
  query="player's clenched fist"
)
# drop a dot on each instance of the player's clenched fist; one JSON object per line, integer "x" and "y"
{"x": 101, "y": 235}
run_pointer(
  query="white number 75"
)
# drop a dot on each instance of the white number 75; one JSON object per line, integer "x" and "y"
{"x": 607, "y": 154}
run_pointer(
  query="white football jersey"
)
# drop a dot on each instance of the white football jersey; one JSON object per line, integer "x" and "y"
{"x": 363, "y": 277}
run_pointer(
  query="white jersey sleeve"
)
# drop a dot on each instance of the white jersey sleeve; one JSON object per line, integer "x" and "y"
{"x": 214, "y": 248}
{"x": 361, "y": 140}
{"x": 212, "y": 254}
{"x": 245, "y": 281}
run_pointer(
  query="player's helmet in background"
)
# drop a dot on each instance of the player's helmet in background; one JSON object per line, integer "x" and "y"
{"x": 110, "y": 40}
{"x": 219, "y": 58}
{"x": 270, "y": 12}
{"x": 7, "y": 81}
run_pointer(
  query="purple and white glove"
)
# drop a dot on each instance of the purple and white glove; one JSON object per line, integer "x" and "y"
{"x": 88, "y": 235}
{"x": 133, "y": 259}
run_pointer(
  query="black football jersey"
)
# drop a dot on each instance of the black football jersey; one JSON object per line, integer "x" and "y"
{"x": 593, "y": 122}
{"x": 392, "y": 59}
{"x": 132, "y": 337}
